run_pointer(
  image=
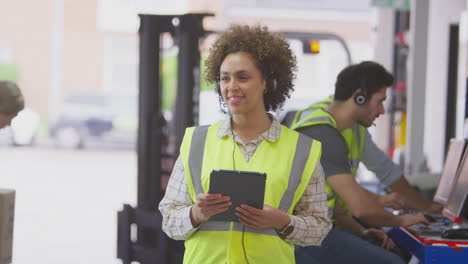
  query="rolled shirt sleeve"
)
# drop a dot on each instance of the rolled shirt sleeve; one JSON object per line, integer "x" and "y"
{"x": 176, "y": 204}
{"x": 310, "y": 221}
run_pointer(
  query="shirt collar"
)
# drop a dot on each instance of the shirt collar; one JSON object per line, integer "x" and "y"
{"x": 271, "y": 134}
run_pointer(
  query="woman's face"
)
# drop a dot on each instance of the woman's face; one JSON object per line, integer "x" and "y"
{"x": 242, "y": 84}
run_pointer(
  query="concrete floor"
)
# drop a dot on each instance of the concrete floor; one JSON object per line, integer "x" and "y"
{"x": 67, "y": 202}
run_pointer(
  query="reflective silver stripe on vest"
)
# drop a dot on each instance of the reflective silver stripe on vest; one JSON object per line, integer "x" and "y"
{"x": 320, "y": 119}
{"x": 306, "y": 113}
{"x": 239, "y": 227}
{"x": 357, "y": 134}
{"x": 354, "y": 163}
{"x": 215, "y": 226}
{"x": 330, "y": 212}
{"x": 316, "y": 119}
{"x": 303, "y": 146}
{"x": 197, "y": 149}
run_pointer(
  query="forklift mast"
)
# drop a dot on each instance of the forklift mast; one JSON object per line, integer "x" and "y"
{"x": 139, "y": 236}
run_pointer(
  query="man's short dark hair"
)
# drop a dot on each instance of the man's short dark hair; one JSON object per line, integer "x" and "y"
{"x": 367, "y": 75}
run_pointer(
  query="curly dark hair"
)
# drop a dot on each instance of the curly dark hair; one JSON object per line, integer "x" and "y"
{"x": 271, "y": 53}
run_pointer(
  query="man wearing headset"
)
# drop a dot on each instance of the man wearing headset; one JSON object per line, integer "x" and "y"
{"x": 11, "y": 102}
{"x": 340, "y": 124}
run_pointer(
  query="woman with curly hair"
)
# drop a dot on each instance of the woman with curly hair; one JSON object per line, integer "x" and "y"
{"x": 253, "y": 70}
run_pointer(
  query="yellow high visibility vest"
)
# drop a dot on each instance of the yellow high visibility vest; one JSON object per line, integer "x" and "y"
{"x": 288, "y": 163}
{"x": 354, "y": 138}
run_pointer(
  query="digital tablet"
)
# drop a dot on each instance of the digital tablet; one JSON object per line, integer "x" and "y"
{"x": 244, "y": 187}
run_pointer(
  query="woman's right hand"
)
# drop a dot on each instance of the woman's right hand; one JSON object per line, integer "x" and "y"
{"x": 207, "y": 205}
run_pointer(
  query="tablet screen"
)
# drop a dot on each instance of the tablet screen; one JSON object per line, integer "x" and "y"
{"x": 244, "y": 187}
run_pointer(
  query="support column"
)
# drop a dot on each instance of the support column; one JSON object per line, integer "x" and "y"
{"x": 419, "y": 27}
{"x": 383, "y": 54}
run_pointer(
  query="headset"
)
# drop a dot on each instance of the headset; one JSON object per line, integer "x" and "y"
{"x": 361, "y": 97}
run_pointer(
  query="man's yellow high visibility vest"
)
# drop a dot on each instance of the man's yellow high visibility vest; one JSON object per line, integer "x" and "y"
{"x": 354, "y": 138}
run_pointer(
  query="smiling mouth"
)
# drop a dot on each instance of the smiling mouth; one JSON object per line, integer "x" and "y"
{"x": 234, "y": 99}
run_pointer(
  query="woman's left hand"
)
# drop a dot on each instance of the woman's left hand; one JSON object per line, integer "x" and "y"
{"x": 268, "y": 217}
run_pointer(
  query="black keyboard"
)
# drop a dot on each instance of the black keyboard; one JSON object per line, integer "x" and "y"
{"x": 437, "y": 228}
{"x": 433, "y": 229}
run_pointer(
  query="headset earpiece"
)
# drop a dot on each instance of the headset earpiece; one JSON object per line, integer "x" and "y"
{"x": 222, "y": 104}
{"x": 360, "y": 98}
{"x": 218, "y": 87}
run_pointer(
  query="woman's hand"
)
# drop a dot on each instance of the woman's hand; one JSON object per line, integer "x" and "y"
{"x": 268, "y": 217}
{"x": 386, "y": 242}
{"x": 207, "y": 205}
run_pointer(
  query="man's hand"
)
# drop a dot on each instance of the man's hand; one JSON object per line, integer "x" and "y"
{"x": 411, "y": 219}
{"x": 393, "y": 200}
{"x": 387, "y": 242}
{"x": 268, "y": 217}
{"x": 207, "y": 205}
{"x": 434, "y": 208}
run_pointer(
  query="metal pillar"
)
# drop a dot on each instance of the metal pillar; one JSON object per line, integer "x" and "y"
{"x": 415, "y": 161}
{"x": 186, "y": 106}
{"x": 149, "y": 244}
{"x": 452, "y": 76}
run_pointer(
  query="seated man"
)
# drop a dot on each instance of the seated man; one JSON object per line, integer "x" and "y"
{"x": 340, "y": 125}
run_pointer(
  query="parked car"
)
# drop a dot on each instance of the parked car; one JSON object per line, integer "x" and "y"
{"x": 23, "y": 129}
{"x": 90, "y": 117}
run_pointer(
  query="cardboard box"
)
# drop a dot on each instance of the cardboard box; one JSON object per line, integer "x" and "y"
{"x": 7, "y": 213}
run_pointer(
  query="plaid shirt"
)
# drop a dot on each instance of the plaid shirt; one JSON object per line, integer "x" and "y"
{"x": 309, "y": 218}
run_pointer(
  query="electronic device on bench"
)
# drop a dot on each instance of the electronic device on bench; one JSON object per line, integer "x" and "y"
{"x": 451, "y": 192}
